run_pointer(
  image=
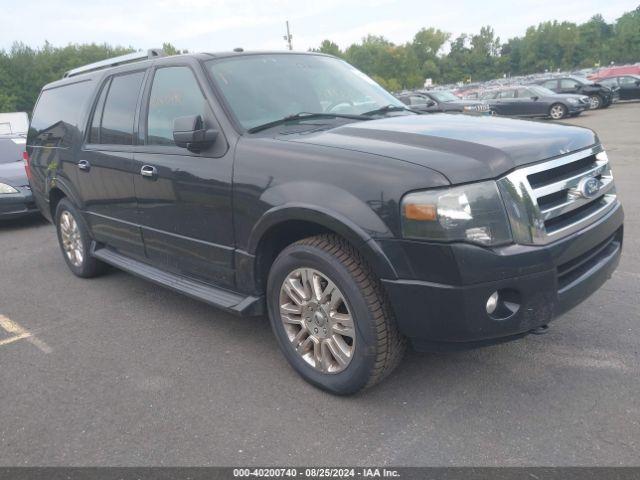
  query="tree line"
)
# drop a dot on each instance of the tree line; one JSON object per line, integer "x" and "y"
{"x": 469, "y": 57}
{"x": 548, "y": 46}
{"x": 24, "y": 70}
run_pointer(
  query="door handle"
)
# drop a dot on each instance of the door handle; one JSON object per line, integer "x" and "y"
{"x": 149, "y": 171}
{"x": 84, "y": 165}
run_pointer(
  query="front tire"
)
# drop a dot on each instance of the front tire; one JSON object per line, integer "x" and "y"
{"x": 557, "y": 111}
{"x": 75, "y": 241}
{"x": 331, "y": 317}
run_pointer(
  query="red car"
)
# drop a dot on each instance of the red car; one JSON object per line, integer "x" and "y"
{"x": 616, "y": 71}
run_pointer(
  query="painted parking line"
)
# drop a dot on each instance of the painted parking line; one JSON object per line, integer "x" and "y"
{"x": 18, "y": 332}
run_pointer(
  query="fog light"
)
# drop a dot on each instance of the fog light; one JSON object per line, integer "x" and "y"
{"x": 492, "y": 303}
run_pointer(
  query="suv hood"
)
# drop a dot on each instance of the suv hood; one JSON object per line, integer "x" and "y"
{"x": 463, "y": 148}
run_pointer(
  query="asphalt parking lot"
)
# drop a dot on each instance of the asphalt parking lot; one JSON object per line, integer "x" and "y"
{"x": 116, "y": 371}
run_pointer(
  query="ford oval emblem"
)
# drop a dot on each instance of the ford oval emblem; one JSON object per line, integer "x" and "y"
{"x": 589, "y": 187}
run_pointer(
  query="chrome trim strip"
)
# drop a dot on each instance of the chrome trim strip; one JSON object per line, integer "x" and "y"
{"x": 526, "y": 217}
{"x": 559, "y": 161}
{"x": 556, "y": 211}
{"x": 570, "y": 182}
{"x": 609, "y": 202}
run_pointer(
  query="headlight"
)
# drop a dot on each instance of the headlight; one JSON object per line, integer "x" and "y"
{"x": 469, "y": 213}
{"x": 4, "y": 188}
{"x": 572, "y": 100}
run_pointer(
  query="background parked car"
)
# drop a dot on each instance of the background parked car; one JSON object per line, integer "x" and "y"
{"x": 628, "y": 86}
{"x": 14, "y": 123}
{"x": 615, "y": 71}
{"x": 599, "y": 95}
{"x": 535, "y": 101}
{"x": 442, "y": 101}
{"x": 15, "y": 194}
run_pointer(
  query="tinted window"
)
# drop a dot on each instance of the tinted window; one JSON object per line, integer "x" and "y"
{"x": 94, "y": 135}
{"x": 507, "y": 94}
{"x": 524, "y": 93}
{"x": 119, "y": 109}
{"x": 417, "y": 100}
{"x": 609, "y": 82}
{"x": 628, "y": 80}
{"x": 550, "y": 84}
{"x": 57, "y": 114}
{"x": 568, "y": 83}
{"x": 174, "y": 93}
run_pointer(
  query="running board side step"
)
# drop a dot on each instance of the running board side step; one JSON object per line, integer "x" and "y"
{"x": 218, "y": 297}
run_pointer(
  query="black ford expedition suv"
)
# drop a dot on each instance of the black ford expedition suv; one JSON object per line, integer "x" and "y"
{"x": 291, "y": 184}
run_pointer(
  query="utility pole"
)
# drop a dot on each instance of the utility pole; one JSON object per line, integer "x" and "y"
{"x": 288, "y": 37}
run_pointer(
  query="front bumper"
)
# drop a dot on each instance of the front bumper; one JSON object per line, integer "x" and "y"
{"x": 577, "y": 108}
{"x": 444, "y": 304}
{"x": 13, "y": 205}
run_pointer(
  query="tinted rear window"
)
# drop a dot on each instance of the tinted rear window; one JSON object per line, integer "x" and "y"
{"x": 57, "y": 114}
{"x": 120, "y": 108}
{"x": 11, "y": 148}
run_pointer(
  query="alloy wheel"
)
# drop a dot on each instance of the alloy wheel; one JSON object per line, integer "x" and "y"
{"x": 557, "y": 112}
{"x": 317, "y": 320}
{"x": 71, "y": 239}
{"x": 594, "y": 102}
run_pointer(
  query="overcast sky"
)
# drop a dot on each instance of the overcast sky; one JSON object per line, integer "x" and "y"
{"x": 215, "y": 25}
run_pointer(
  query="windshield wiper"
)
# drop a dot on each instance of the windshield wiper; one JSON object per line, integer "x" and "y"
{"x": 389, "y": 108}
{"x": 303, "y": 116}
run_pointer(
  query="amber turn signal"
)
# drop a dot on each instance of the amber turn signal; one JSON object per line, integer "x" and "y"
{"x": 414, "y": 211}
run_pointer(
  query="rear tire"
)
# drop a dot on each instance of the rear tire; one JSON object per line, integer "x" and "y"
{"x": 361, "y": 324}
{"x": 75, "y": 241}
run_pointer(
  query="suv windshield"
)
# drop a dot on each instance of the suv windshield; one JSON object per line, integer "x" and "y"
{"x": 444, "y": 96}
{"x": 267, "y": 87}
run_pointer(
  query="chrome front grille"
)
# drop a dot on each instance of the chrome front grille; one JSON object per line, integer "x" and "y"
{"x": 552, "y": 199}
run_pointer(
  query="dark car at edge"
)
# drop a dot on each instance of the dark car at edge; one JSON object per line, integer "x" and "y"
{"x": 292, "y": 185}
{"x": 599, "y": 95}
{"x": 442, "y": 101}
{"x": 16, "y": 199}
{"x": 534, "y": 101}
{"x": 626, "y": 86}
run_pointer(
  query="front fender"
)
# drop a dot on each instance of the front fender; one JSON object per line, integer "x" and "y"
{"x": 332, "y": 208}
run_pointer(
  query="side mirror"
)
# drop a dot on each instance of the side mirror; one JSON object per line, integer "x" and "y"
{"x": 535, "y": 98}
{"x": 189, "y": 132}
{"x": 430, "y": 103}
{"x": 638, "y": 82}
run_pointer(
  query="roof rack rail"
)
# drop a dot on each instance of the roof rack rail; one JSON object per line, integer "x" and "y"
{"x": 112, "y": 62}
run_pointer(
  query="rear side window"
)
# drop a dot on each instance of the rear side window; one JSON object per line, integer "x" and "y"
{"x": 568, "y": 83}
{"x": 610, "y": 82}
{"x": 174, "y": 93}
{"x": 58, "y": 113}
{"x": 94, "y": 134}
{"x": 416, "y": 100}
{"x": 113, "y": 124}
{"x": 551, "y": 84}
